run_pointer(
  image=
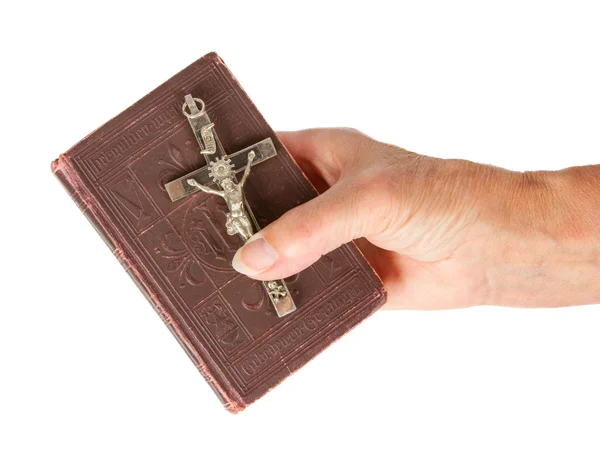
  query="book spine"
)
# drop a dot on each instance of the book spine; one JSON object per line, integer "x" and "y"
{"x": 70, "y": 180}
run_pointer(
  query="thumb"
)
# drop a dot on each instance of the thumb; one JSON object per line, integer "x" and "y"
{"x": 299, "y": 237}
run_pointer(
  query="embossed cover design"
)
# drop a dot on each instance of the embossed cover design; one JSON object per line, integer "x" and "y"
{"x": 179, "y": 253}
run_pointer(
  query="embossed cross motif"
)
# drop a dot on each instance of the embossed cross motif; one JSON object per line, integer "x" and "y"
{"x": 220, "y": 170}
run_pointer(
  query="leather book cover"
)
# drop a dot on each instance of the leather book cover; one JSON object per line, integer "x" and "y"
{"x": 179, "y": 253}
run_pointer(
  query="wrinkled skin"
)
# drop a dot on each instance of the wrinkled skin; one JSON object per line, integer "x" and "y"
{"x": 440, "y": 233}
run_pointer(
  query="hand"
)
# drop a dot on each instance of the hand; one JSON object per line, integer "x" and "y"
{"x": 251, "y": 155}
{"x": 440, "y": 233}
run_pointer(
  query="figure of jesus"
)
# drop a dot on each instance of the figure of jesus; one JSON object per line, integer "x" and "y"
{"x": 237, "y": 218}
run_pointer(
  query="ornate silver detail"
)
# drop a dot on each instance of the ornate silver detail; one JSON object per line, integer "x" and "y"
{"x": 210, "y": 145}
{"x": 220, "y": 169}
{"x": 276, "y": 291}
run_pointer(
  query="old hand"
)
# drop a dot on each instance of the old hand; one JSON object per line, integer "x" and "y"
{"x": 440, "y": 233}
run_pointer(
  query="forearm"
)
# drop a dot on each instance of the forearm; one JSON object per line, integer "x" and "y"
{"x": 545, "y": 244}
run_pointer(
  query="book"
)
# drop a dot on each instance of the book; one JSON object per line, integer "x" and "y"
{"x": 179, "y": 254}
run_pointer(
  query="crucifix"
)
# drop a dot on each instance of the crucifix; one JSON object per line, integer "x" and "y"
{"x": 220, "y": 170}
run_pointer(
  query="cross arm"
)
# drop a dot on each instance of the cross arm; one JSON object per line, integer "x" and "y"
{"x": 180, "y": 188}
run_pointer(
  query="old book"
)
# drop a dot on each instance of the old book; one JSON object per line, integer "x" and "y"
{"x": 179, "y": 254}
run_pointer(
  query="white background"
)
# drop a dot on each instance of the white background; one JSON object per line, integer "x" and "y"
{"x": 85, "y": 361}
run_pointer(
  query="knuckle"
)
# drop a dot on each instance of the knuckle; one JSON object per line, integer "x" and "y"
{"x": 300, "y": 224}
{"x": 374, "y": 202}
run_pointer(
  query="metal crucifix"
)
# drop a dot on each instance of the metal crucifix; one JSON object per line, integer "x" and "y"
{"x": 220, "y": 170}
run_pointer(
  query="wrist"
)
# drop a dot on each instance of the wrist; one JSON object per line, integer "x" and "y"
{"x": 546, "y": 240}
